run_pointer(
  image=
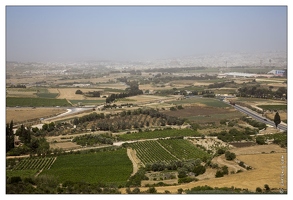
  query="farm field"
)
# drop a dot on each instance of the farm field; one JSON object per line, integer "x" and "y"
{"x": 167, "y": 150}
{"x": 201, "y": 101}
{"x": 26, "y": 114}
{"x": 273, "y": 107}
{"x": 69, "y": 93}
{"x": 21, "y": 92}
{"x": 142, "y": 99}
{"x": 205, "y": 114}
{"x": 28, "y": 167}
{"x": 183, "y": 149}
{"x": 106, "y": 167}
{"x": 36, "y": 102}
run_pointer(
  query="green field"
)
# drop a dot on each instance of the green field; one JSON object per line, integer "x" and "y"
{"x": 273, "y": 107}
{"x": 104, "y": 167}
{"x": 28, "y": 167}
{"x": 167, "y": 150}
{"x": 37, "y": 102}
{"x": 158, "y": 134}
{"x": 206, "y": 101}
{"x": 21, "y": 173}
{"x": 183, "y": 149}
{"x": 151, "y": 152}
{"x": 35, "y": 164}
{"x": 215, "y": 117}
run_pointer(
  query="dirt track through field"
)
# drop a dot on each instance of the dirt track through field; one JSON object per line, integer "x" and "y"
{"x": 232, "y": 165}
{"x": 131, "y": 155}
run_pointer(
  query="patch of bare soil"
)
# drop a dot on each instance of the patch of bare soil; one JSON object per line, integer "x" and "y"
{"x": 28, "y": 114}
{"x": 64, "y": 145}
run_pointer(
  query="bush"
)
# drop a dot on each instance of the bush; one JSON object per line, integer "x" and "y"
{"x": 219, "y": 173}
{"x": 260, "y": 140}
{"x": 220, "y": 151}
{"x": 78, "y": 92}
{"x": 258, "y": 190}
{"x": 229, "y": 155}
{"x": 186, "y": 180}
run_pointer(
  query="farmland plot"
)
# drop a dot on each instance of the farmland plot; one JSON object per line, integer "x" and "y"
{"x": 183, "y": 149}
{"x": 104, "y": 167}
{"x": 167, "y": 150}
{"x": 30, "y": 166}
{"x": 151, "y": 152}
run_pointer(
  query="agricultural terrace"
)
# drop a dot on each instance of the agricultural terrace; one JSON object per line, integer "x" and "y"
{"x": 167, "y": 150}
{"x": 105, "y": 167}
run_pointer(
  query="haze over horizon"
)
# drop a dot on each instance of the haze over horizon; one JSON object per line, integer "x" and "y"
{"x": 75, "y": 33}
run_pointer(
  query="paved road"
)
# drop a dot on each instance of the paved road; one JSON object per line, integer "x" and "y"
{"x": 259, "y": 117}
{"x": 70, "y": 111}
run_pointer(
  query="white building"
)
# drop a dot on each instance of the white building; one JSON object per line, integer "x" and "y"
{"x": 277, "y": 72}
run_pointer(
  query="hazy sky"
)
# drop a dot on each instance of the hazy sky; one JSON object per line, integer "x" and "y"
{"x": 57, "y": 34}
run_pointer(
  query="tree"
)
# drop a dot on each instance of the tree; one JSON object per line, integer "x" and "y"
{"x": 9, "y": 136}
{"x": 277, "y": 119}
{"x": 78, "y": 92}
{"x": 258, "y": 190}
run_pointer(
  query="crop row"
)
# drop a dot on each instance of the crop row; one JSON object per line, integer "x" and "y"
{"x": 183, "y": 149}
{"x": 104, "y": 167}
{"x": 151, "y": 152}
{"x": 35, "y": 164}
{"x": 167, "y": 150}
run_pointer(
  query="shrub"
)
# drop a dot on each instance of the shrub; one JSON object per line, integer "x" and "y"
{"x": 258, "y": 190}
{"x": 229, "y": 155}
{"x": 260, "y": 140}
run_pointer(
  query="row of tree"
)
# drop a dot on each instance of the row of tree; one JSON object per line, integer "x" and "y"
{"x": 132, "y": 90}
{"x": 261, "y": 92}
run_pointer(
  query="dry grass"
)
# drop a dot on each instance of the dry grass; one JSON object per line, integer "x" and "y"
{"x": 267, "y": 169}
{"x": 64, "y": 145}
{"x": 24, "y": 114}
{"x": 150, "y": 98}
{"x": 17, "y": 93}
{"x": 283, "y": 115}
